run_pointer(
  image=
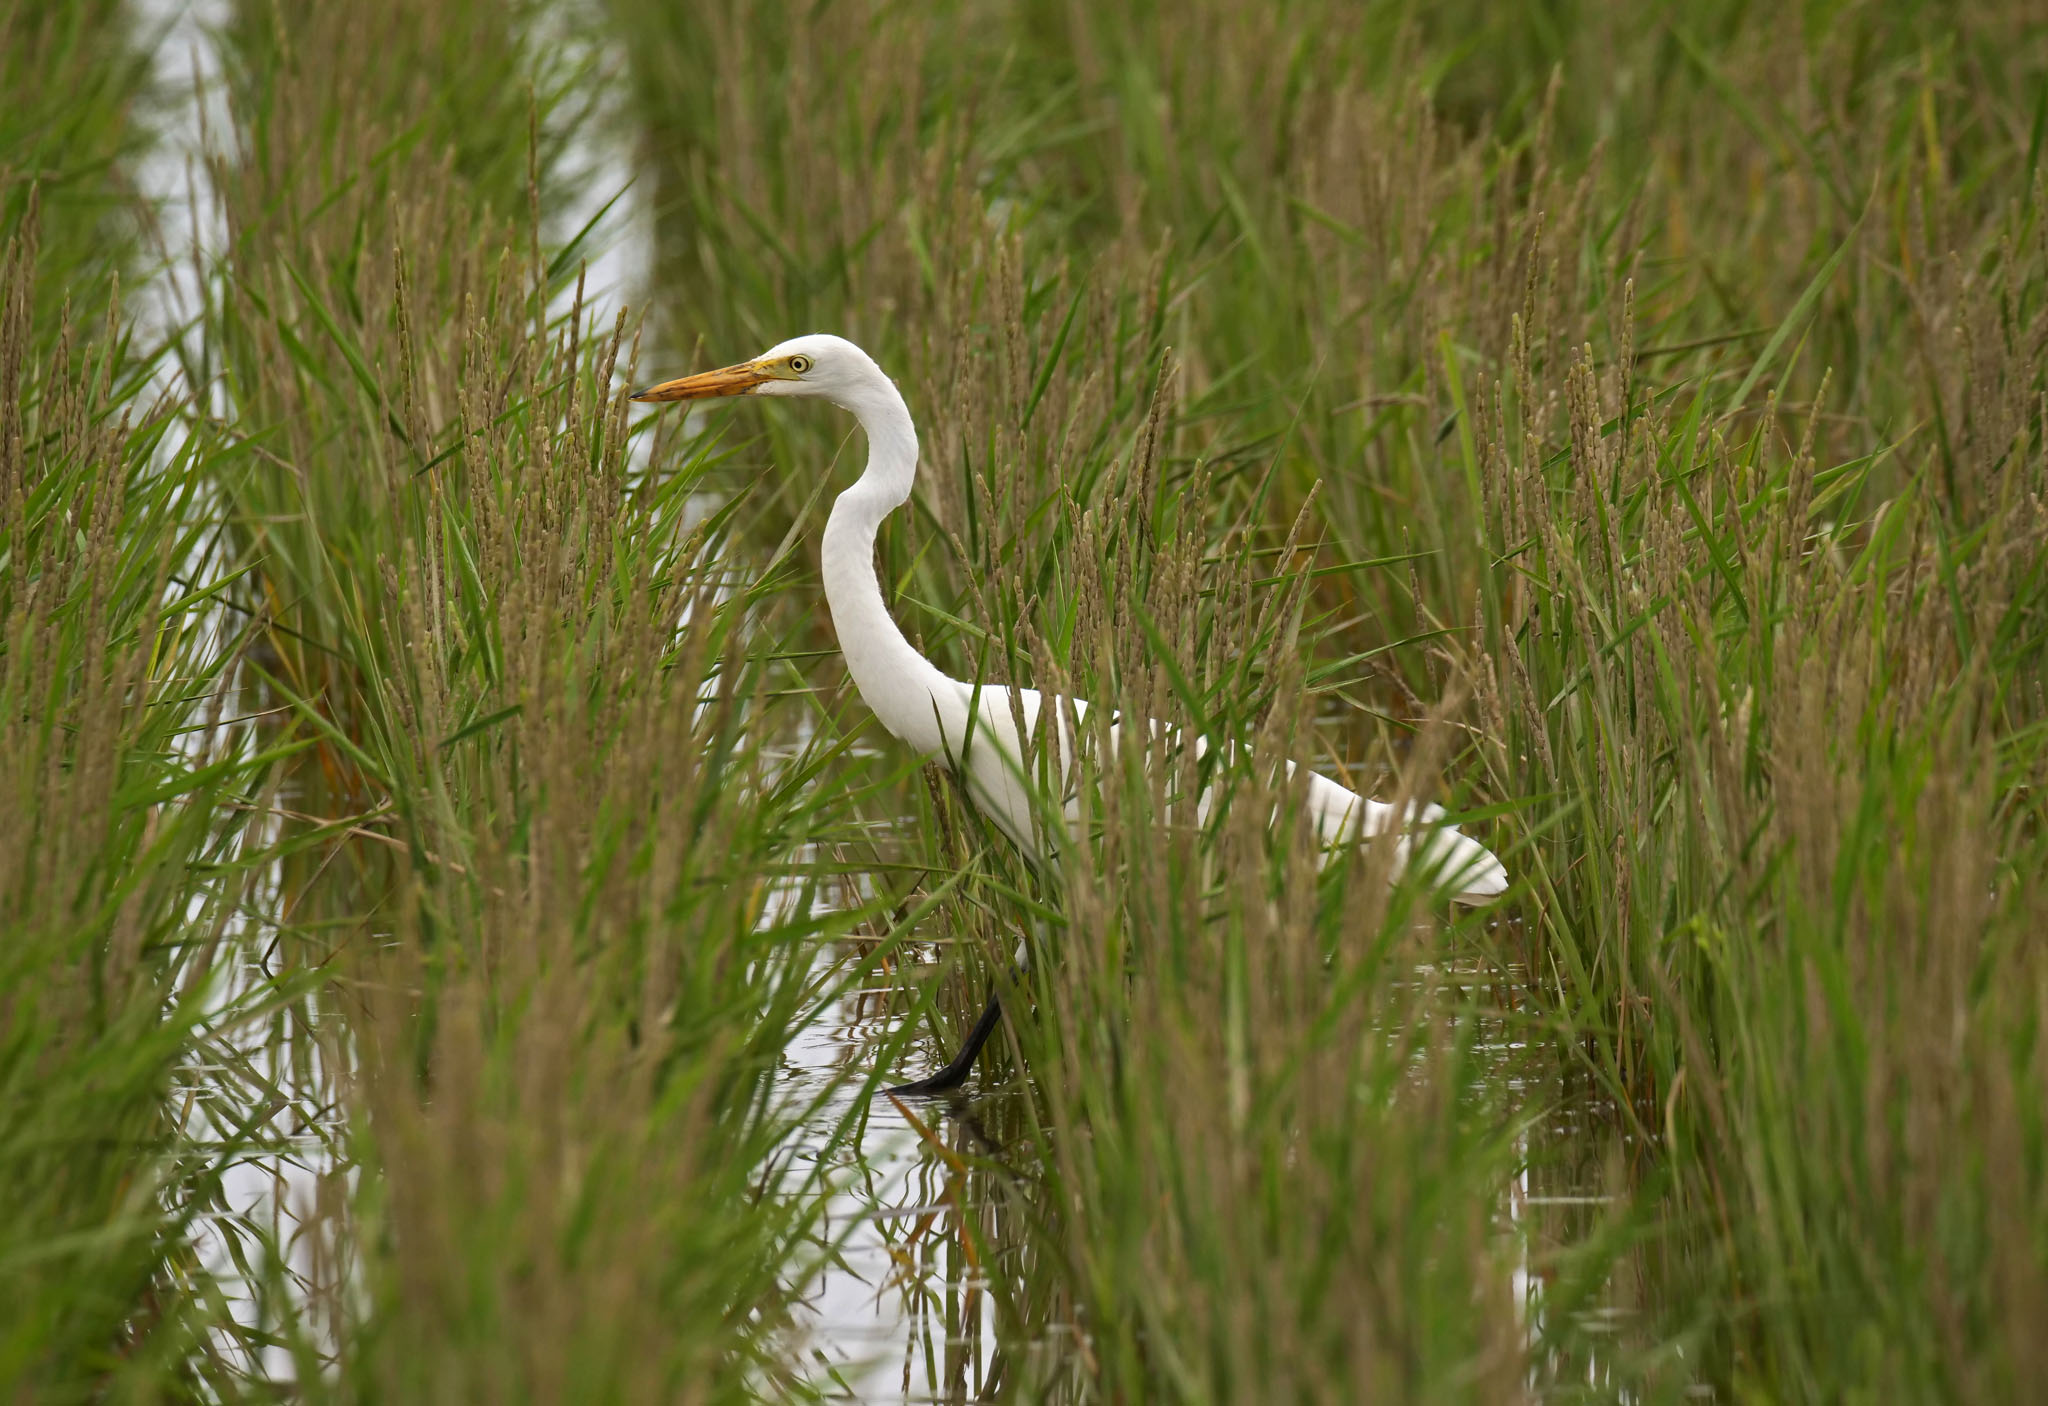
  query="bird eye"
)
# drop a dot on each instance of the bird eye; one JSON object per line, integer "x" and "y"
{"x": 799, "y": 364}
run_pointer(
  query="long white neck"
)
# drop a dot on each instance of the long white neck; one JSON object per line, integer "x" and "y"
{"x": 903, "y": 688}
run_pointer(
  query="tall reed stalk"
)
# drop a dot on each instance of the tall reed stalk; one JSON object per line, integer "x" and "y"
{"x": 1667, "y": 390}
{"x": 427, "y": 788}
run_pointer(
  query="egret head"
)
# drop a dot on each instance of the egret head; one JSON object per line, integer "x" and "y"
{"x": 821, "y": 366}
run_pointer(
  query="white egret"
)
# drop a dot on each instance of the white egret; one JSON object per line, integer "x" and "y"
{"x": 974, "y": 727}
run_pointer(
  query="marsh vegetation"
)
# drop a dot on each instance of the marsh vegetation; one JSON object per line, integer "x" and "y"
{"x": 455, "y": 913}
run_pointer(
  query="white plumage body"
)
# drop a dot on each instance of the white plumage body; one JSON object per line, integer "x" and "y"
{"x": 995, "y": 762}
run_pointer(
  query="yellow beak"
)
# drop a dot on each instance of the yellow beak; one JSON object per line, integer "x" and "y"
{"x": 728, "y": 380}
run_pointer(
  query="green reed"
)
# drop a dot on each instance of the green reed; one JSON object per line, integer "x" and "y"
{"x": 1622, "y": 426}
{"x": 1672, "y": 385}
{"x": 79, "y": 98}
{"x": 500, "y": 1029}
{"x": 552, "y": 874}
{"x": 128, "y": 863}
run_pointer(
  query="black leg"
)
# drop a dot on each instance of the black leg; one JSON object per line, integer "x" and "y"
{"x": 955, "y": 1074}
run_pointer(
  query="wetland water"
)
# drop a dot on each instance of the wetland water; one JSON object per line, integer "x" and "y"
{"x": 934, "y": 1271}
{"x": 901, "y": 1310}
